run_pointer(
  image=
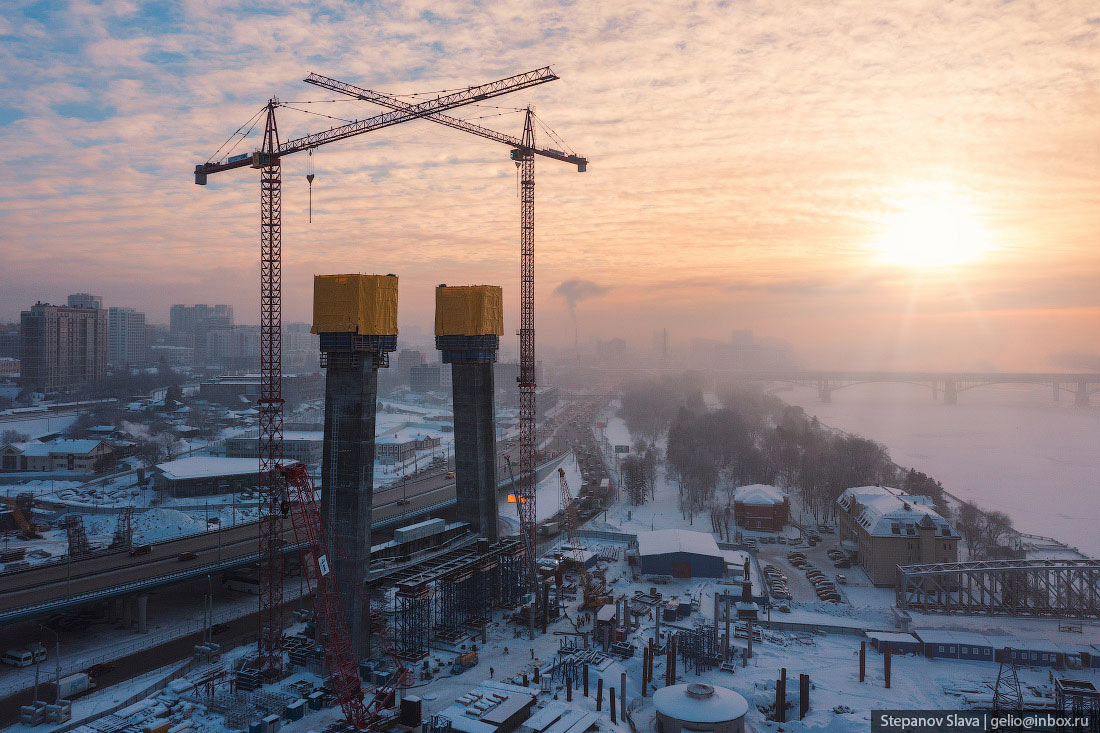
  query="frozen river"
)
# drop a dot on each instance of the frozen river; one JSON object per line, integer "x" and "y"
{"x": 1004, "y": 447}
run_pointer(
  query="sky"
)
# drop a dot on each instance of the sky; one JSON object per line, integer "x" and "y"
{"x": 909, "y": 184}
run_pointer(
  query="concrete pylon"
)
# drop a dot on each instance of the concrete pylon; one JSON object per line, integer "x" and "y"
{"x": 468, "y": 324}
{"x": 356, "y": 317}
{"x": 143, "y": 613}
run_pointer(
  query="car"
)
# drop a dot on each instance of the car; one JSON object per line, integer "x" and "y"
{"x": 219, "y": 628}
{"x": 814, "y": 573}
{"x": 842, "y": 564}
{"x": 831, "y": 597}
{"x": 781, "y": 540}
{"x": 795, "y": 553}
{"x": 185, "y": 556}
{"x": 102, "y": 668}
{"x": 822, "y": 583}
{"x": 842, "y": 579}
{"x": 768, "y": 540}
{"x": 783, "y": 607}
{"x": 140, "y": 550}
{"x": 835, "y": 554}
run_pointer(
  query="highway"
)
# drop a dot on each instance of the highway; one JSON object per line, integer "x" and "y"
{"x": 53, "y": 587}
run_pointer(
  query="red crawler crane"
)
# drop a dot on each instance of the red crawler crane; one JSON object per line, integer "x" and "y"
{"x": 316, "y": 547}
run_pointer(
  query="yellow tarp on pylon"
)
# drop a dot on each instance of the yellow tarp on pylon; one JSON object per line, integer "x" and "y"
{"x": 361, "y": 304}
{"x": 469, "y": 310}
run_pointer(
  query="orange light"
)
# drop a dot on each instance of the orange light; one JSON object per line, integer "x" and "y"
{"x": 513, "y": 499}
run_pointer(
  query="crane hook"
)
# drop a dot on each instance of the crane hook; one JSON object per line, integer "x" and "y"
{"x": 309, "y": 178}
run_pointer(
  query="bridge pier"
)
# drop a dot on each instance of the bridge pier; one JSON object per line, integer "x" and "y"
{"x": 127, "y": 612}
{"x": 143, "y": 613}
{"x": 950, "y": 392}
{"x": 825, "y": 391}
{"x": 1081, "y": 395}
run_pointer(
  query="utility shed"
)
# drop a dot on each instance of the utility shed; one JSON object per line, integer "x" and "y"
{"x": 680, "y": 553}
{"x": 899, "y": 643}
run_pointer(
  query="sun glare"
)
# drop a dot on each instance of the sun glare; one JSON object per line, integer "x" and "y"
{"x": 931, "y": 233}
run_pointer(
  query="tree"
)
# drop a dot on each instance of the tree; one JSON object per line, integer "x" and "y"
{"x": 968, "y": 522}
{"x": 13, "y": 436}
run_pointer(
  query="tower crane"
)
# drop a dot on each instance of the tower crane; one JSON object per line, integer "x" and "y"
{"x": 595, "y": 594}
{"x": 523, "y": 153}
{"x": 270, "y": 404}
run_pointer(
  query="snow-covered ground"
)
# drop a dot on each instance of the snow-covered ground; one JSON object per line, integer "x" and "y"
{"x": 1005, "y": 447}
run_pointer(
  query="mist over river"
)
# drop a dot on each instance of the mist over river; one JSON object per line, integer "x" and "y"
{"x": 1004, "y": 447}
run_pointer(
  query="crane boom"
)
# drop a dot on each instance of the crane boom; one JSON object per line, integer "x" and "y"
{"x": 426, "y": 108}
{"x": 391, "y": 102}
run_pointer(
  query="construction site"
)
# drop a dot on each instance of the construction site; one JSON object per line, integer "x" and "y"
{"x": 551, "y": 576}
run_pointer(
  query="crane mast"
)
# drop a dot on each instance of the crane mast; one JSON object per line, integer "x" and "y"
{"x": 270, "y": 405}
{"x": 528, "y": 432}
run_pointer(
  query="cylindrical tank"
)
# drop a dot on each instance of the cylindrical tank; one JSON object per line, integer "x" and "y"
{"x": 699, "y": 707}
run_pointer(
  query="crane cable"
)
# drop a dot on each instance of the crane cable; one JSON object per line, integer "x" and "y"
{"x": 309, "y": 178}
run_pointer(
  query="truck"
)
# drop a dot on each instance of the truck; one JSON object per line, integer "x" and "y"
{"x": 74, "y": 685}
{"x": 464, "y": 662}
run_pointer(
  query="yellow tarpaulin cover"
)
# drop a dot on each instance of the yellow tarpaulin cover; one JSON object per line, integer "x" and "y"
{"x": 469, "y": 310}
{"x": 362, "y": 304}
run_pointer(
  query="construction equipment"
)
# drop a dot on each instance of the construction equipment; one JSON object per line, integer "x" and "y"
{"x": 316, "y": 548}
{"x": 519, "y": 500}
{"x": 270, "y": 402}
{"x": 523, "y": 152}
{"x": 28, "y": 529}
{"x": 595, "y": 593}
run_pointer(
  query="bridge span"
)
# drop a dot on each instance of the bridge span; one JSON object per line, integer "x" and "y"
{"x": 947, "y": 385}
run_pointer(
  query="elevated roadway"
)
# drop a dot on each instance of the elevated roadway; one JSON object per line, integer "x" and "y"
{"x": 47, "y": 589}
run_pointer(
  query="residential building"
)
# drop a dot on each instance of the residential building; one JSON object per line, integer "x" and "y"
{"x": 887, "y": 527}
{"x": 425, "y": 378}
{"x": 10, "y": 341}
{"x": 86, "y": 300}
{"x": 761, "y": 507}
{"x": 398, "y": 449}
{"x": 68, "y": 456}
{"x": 126, "y": 337}
{"x": 299, "y": 446}
{"x": 63, "y": 348}
{"x": 189, "y": 324}
{"x": 236, "y": 348}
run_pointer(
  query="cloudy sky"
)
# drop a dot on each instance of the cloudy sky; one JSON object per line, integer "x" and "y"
{"x": 880, "y": 183}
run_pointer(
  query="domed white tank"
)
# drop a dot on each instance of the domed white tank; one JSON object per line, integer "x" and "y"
{"x": 697, "y": 707}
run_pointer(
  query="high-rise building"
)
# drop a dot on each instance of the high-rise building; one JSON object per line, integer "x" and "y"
{"x": 425, "y": 378}
{"x": 406, "y": 360}
{"x": 127, "y": 341}
{"x": 9, "y": 341}
{"x": 190, "y": 324}
{"x": 63, "y": 348}
{"x": 86, "y": 300}
{"x": 233, "y": 347}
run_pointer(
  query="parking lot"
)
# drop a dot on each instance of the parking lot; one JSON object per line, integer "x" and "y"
{"x": 796, "y": 581}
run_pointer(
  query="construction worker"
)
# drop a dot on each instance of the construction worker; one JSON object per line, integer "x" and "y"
{"x": 490, "y": 673}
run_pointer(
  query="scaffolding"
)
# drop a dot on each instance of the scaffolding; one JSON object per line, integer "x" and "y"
{"x": 699, "y": 649}
{"x": 511, "y": 579}
{"x": 77, "y": 537}
{"x": 413, "y": 622}
{"x": 1079, "y": 699}
{"x": 124, "y": 528}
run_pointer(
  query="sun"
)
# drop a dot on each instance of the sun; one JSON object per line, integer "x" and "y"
{"x": 931, "y": 233}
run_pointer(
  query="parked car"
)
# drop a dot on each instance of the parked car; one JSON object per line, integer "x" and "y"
{"x": 783, "y": 607}
{"x": 842, "y": 578}
{"x": 781, "y": 540}
{"x": 842, "y": 564}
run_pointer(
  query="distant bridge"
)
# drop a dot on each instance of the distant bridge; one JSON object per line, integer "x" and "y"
{"x": 947, "y": 384}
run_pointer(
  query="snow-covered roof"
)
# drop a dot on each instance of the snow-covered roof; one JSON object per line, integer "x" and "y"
{"x": 202, "y": 466}
{"x": 758, "y": 495}
{"x": 884, "y": 512}
{"x": 666, "y": 541}
{"x": 38, "y": 448}
{"x": 700, "y": 703}
{"x": 947, "y": 636}
{"x": 894, "y": 637}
